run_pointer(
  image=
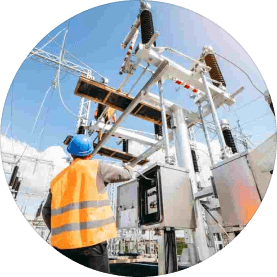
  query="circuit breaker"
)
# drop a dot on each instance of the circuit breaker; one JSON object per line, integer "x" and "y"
{"x": 159, "y": 197}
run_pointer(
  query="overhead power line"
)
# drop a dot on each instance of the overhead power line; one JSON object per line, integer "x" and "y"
{"x": 243, "y": 72}
{"x": 255, "y": 119}
{"x": 35, "y": 123}
{"x": 248, "y": 103}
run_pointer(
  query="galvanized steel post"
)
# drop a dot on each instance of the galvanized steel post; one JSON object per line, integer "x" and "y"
{"x": 184, "y": 159}
{"x": 214, "y": 114}
{"x": 206, "y": 133}
{"x": 165, "y": 133}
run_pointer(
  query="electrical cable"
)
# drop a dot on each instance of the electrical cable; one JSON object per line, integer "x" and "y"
{"x": 12, "y": 117}
{"x": 7, "y": 129}
{"x": 144, "y": 176}
{"x": 243, "y": 72}
{"x": 42, "y": 131}
{"x": 206, "y": 208}
{"x": 61, "y": 98}
{"x": 255, "y": 119}
{"x": 35, "y": 123}
{"x": 248, "y": 103}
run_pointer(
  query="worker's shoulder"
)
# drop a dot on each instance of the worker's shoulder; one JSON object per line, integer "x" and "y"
{"x": 60, "y": 175}
{"x": 87, "y": 163}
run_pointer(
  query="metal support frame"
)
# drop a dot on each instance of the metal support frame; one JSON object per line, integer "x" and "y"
{"x": 157, "y": 76}
{"x": 122, "y": 133}
{"x": 129, "y": 109}
{"x": 205, "y": 192}
{"x": 61, "y": 64}
{"x": 139, "y": 77}
{"x": 184, "y": 158}
{"x": 214, "y": 115}
{"x": 165, "y": 132}
{"x": 148, "y": 153}
{"x": 14, "y": 156}
{"x": 206, "y": 133}
{"x": 161, "y": 253}
{"x": 83, "y": 114}
{"x": 177, "y": 72}
{"x": 54, "y": 61}
{"x": 99, "y": 119}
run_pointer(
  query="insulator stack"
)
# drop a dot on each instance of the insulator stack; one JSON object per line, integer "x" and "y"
{"x": 215, "y": 72}
{"x": 227, "y": 134}
{"x": 125, "y": 145}
{"x": 147, "y": 27}
{"x": 158, "y": 130}
{"x": 81, "y": 130}
{"x": 101, "y": 108}
{"x": 13, "y": 176}
{"x": 230, "y": 140}
{"x": 18, "y": 183}
{"x": 194, "y": 159}
{"x": 15, "y": 183}
{"x": 39, "y": 210}
{"x": 272, "y": 108}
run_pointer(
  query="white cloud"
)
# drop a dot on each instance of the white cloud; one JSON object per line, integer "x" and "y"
{"x": 36, "y": 176}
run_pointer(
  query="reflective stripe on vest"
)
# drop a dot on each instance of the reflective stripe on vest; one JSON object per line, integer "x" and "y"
{"x": 82, "y": 226}
{"x": 80, "y": 215}
{"x": 80, "y": 205}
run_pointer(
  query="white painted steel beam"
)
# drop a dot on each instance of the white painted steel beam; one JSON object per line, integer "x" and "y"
{"x": 156, "y": 77}
{"x": 177, "y": 72}
{"x": 121, "y": 133}
{"x": 208, "y": 191}
{"x": 129, "y": 109}
{"x": 150, "y": 151}
{"x": 54, "y": 61}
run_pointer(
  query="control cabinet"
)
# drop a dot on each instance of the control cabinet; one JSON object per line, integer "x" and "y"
{"x": 159, "y": 197}
{"x": 237, "y": 190}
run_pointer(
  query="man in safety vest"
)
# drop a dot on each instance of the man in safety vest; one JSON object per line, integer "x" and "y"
{"x": 78, "y": 211}
{"x": 109, "y": 116}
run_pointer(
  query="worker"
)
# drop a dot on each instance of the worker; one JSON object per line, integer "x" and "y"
{"x": 109, "y": 116}
{"x": 77, "y": 209}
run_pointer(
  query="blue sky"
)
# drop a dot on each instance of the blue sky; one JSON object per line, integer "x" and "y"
{"x": 94, "y": 37}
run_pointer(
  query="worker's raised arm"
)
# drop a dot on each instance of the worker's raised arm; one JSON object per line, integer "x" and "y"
{"x": 114, "y": 173}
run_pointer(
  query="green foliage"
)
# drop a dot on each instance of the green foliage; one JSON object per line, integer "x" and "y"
{"x": 180, "y": 246}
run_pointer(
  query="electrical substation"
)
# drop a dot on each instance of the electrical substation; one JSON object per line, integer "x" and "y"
{"x": 167, "y": 196}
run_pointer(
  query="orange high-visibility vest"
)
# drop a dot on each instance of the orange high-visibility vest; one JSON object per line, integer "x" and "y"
{"x": 80, "y": 215}
{"x": 109, "y": 114}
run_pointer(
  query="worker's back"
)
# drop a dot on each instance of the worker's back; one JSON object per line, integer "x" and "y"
{"x": 81, "y": 214}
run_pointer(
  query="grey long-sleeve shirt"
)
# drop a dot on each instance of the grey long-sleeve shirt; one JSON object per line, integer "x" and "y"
{"x": 106, "y": 173}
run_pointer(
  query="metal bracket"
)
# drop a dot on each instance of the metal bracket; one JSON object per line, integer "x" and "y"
{"x": 173, "y": 122}
{"x": 152, "y": 40}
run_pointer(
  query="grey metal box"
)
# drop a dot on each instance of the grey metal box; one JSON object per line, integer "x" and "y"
{"x": 127, "y": 205}
{"x": 175, "y": 197}
{"x": 236, "y": 189}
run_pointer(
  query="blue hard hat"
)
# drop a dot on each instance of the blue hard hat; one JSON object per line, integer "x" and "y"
{"x": 80, "y": 146}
